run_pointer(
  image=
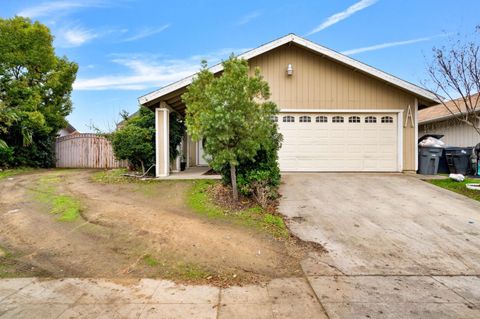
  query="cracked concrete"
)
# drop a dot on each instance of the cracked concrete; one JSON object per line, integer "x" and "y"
{"x": 149, "y": 298}
{"x": 397, "y": 246}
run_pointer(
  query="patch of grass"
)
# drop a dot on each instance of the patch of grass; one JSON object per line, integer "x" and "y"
{"x": 168, "y": 268}
{"x": 4, "y": 253}
{"x": 458, "y": 187}
{"x": 190, "y": 271}
{"x": 112, "y": 176}
{"x": 149, "y": 260}
{"x": 198, "y": 199}
{"x": 64, "y": 206}
{"x": 14, "y": 171}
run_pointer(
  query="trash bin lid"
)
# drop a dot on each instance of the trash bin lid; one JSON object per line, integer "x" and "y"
{"x": 437, "y": 136}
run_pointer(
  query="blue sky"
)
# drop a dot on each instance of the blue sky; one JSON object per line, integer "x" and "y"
{"x": 127, "y": 48}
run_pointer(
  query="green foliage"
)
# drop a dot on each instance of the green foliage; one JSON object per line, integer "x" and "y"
{"x": 139, "y": 148}
{"x": 177, "y": 131}
{"x": 199, "y": 201}
{"x": 35, "y": 88}
{"x": 231, "y": 113}
{"x": 260, "y": 176}
{"x": 133, "y": 143}
{"x": 458, "y": 187}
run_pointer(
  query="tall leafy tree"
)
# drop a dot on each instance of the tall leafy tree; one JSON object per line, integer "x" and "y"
{"x": 231, "y": 113}
{"x": 35, "y": 88}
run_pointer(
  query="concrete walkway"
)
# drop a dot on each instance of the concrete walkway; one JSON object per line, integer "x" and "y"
{"x": 148, "y": 298}
{"x": 398, "y": 247}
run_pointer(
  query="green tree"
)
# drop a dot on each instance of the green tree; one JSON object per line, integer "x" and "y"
{"x": 35, "y": 88}
{"x": 133, "y": 143}
{"x": 231, "y": 113}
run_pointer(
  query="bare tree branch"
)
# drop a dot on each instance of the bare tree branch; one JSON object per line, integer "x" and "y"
{"x": 455, "y": 74}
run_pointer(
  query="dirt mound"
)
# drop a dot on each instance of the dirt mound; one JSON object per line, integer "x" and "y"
{"x": 134, "y": 230}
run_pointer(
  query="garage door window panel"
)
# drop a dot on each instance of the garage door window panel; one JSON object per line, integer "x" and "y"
{"x": 305, "y": 119}
{"x": 387, "y": 119}
{"x": 337, "y": 119}
{"x": 288, "y": 119}
{"x": 354, "y": 119}
{"x": 321, "y": 119}
{"x": 371, "y": 119}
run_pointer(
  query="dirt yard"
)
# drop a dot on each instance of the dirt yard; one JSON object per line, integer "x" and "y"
{"x": 129, "y": 230}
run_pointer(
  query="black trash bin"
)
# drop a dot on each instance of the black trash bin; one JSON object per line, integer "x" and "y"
{"x": 428, "y": 159}
{"x": 442, "y": 164}
{"x": 458, "y": 159}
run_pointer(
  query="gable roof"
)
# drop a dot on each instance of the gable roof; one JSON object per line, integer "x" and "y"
{"x": 292, "y": 38}
{"x": 439, "y": 112}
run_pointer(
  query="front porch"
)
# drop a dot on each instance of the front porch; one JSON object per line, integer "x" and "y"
{"x": 190, "y": 152}
{"x": 195, "y": 172}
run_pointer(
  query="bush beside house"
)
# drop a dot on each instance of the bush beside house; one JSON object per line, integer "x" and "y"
{"x": 232, "y": 114}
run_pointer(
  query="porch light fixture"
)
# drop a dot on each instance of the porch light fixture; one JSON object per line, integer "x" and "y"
{"x": 289, "y": 70}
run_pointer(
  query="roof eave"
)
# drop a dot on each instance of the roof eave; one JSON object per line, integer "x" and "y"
{"x": 410, "y": 87}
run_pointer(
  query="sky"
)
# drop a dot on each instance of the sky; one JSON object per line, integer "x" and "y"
{"x": 127, "y": 48}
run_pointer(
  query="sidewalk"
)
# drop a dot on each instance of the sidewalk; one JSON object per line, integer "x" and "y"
{"x": 148, "y": 298}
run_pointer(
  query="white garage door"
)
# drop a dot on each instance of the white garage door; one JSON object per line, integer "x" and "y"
{"x": 339, "y": 142}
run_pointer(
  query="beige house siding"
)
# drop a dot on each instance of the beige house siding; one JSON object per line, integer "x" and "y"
{"x": 321, "y": 83}
{"x": 456, "y": 133}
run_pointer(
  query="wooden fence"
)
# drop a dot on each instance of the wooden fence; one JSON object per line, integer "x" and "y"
{"x": 86, "y": 150}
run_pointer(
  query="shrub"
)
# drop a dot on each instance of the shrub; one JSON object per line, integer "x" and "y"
{"x": 260, "y": 177}
{"x": 133, "y": 143}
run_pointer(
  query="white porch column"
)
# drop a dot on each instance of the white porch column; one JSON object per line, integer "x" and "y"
{"x": 162, "y": 142}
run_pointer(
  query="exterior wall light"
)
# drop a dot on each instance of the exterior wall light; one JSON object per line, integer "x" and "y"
{"x": 289, "y": 70}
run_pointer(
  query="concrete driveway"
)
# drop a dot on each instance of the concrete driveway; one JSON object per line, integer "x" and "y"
{"x": 397, "y": 246}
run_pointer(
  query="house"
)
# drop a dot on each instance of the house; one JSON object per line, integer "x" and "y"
{"x": 439, "y": 119}
{"x": 67, "y": 130}
{"x": 336, "y": 113}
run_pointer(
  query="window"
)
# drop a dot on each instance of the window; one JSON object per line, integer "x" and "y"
{"x": 387, "y": 119}
{"x": 321, "y": 119}
{"x": 274, "y": 118}
{"x": 305, "y": 119}
{"x": 337, "y": 119}
{"x": 354, "y": 119}
{"x": 370, "y": 119}
{"x": 288, "y": 119}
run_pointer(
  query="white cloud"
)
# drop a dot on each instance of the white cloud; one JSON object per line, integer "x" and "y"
{"x": 249, "y": 17}
{"x": 74, "y": 36}
{"x": 49, "y": 8}
{"x": 391, "y": 44}
{"x": 149, "y": 71}
{"x": 146, "y": 32}
{"x": 337, "y": 17}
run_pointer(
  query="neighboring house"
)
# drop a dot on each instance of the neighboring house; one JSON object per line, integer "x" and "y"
{"x": 336, "y": 113}
{"x": 439, "y": 120}
{"x": 69, "y": 129}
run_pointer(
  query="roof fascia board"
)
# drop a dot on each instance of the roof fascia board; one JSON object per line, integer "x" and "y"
{"x": 310, "y": 45}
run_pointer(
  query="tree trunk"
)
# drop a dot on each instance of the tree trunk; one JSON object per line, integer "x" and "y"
{"x": 233, "y": 177}
{"x": 143, "y": 167}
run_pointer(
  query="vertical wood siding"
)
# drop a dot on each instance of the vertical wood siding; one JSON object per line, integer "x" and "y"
{"x": 320, "y": 83}
{"x": 85, "y": 151}
{"x": 456, "y": 133}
